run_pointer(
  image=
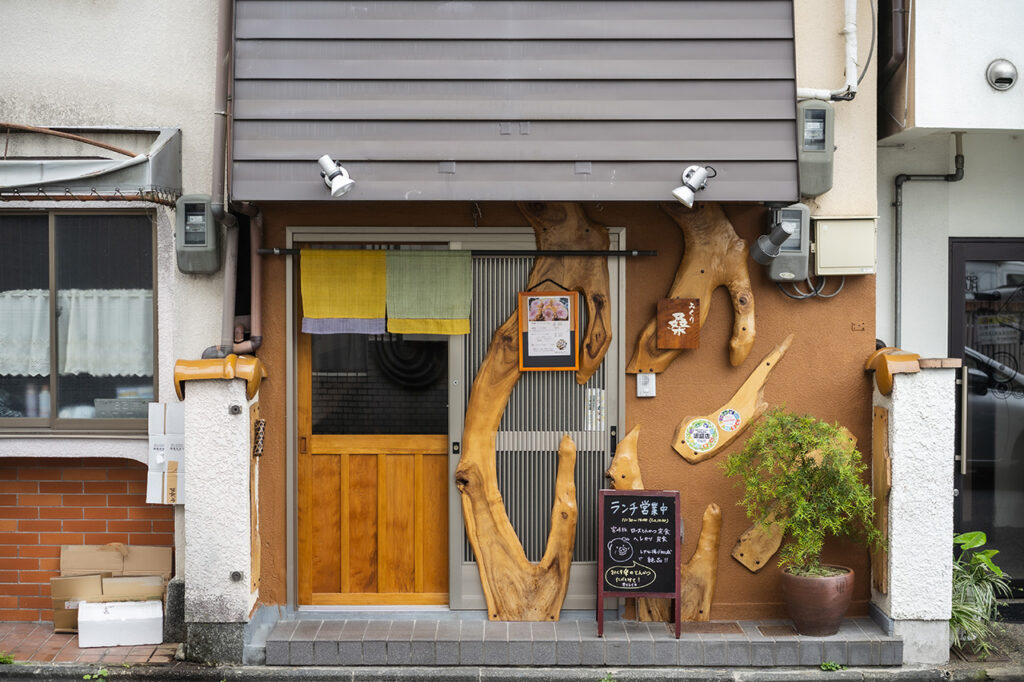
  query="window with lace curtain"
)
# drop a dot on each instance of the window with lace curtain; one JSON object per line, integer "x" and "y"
{"x": 76, "y": 320}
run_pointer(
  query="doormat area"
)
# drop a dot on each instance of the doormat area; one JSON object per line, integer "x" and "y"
{"x": 721, "y": 628}
{"x": 777, "y": 630}
{"x": 969, "y": 655}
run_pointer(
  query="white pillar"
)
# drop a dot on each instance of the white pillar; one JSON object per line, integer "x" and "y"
{"x": 218, "y": 558}
{"x": 922, "y": 413}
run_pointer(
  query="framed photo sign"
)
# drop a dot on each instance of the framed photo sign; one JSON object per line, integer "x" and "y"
{"x": 548, "y": 338}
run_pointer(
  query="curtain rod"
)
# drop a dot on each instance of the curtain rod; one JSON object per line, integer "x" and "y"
{"x": 488, "y": 253}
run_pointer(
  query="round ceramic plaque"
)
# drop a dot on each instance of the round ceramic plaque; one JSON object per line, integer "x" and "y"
{"x": 729, "y": 420}
{"x": 701, "y": 435}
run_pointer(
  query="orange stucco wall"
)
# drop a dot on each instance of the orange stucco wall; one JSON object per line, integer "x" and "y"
{"x": 821, "y": 374}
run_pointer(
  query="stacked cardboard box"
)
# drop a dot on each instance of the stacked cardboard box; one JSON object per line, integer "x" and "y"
{"x": 108, "y": 573}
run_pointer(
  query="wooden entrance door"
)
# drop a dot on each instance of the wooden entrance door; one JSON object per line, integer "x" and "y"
{"x": 372, "y": 508}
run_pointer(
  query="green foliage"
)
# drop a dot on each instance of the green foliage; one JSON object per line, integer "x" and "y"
{"x": 832, "y": 666}
{"x": 6, "y": 659}
{"x": 607, "y": 678}
{"x": 100, "y": 675}
{"x": 977, "y": 584}
{"x": 812, "y": 500}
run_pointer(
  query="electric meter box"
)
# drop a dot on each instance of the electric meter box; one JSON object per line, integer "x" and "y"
{"x": 195, "y": 236}
{"x": 794, "y": 253}
{"x": 845, "y": 246}
{"x": 815, "y": 146}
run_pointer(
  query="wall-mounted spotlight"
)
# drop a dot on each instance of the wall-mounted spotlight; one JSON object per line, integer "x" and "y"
{"x": 335, "y": 176}
{"x": 695, "y": 178}
{"x": 767, "y": 247}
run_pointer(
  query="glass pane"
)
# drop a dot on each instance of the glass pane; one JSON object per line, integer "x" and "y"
{"x": 994, "y": 331}
{"x": 379, "y": 384}
{"x": 105, "y": 358}
{"x": 24, "y": 316}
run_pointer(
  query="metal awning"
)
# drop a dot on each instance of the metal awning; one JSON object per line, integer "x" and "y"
{"x": 153, "y": 176}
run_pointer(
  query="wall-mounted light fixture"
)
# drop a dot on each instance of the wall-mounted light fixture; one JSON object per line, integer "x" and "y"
{"x": 767, "y": 247}
{"x": 695, "y": 178}
{"x": 335, "y": 176}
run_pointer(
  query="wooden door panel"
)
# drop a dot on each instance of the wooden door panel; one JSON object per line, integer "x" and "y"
{"x": 397, "y": 526}
{"x": 377, "y": 519}
{"x": 434, "y": 496}
{"x": 361, "y": 554}
{"x": 326, "y": 510}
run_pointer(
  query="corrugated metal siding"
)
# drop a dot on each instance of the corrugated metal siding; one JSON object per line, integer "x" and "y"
{"x": 514, "y": 100}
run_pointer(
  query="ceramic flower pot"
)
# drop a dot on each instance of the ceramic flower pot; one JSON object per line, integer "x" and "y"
{"x": 817, "y": 604}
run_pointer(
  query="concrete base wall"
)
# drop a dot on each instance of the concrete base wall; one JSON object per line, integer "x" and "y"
{"x": 215, "y": 643}
{"x": 924, "y": 641}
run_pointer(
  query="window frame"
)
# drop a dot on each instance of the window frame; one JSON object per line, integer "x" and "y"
{"x": 54, "y": 425}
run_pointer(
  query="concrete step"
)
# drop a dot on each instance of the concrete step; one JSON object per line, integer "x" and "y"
{"x": 433, "y": 641}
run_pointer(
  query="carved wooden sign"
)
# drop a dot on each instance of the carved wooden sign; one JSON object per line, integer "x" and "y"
{"x": 678, "y": 323}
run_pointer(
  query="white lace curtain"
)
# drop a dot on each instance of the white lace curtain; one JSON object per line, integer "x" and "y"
{"x": 102, "y": 332}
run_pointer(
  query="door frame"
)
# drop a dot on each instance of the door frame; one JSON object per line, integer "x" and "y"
{"x": 455, "y": 237}
{"x": 962, "y": 250}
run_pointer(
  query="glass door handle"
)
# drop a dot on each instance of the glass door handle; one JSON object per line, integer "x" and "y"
{"x": 964, "y": 419}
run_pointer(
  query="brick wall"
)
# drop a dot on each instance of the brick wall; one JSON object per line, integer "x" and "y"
{"x": 46, "y": 503}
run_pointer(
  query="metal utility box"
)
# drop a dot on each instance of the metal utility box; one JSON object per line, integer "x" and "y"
{"x": 195, "y": 236}
{"x": 845, "y": 246}
{"x": 815, "y": 146}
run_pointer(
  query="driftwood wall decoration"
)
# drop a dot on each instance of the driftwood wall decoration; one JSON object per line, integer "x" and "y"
{"x": 700, "y": 438}
{"x": 713, "y": 256}
{"x": 699, "y": 575}
{"x": 515, "y": 588}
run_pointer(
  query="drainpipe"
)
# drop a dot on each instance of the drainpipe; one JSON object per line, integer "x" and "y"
{"x": 897, "y": 43}
{"x": 902, "y": 179}
{"x": 848, "y": 91}
{"x": 255, "y": 282}
{"x": 225, "y": 24}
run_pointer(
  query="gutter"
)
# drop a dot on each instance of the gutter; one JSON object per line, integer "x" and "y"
{"x": 956, "y": 176}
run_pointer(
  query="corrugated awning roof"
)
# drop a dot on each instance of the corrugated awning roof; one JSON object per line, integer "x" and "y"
{"x": 151, "y": 176}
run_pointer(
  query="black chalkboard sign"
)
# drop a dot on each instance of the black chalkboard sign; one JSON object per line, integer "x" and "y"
{"x": 638, "y": 541}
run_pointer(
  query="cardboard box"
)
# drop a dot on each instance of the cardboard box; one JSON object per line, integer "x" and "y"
{"x": 68, "y": 594}
{"x": 117, "y": 559}
{"x": 120, "y": 623}
{"x": 133, "y": 588}
{"x": 166, "y": 453}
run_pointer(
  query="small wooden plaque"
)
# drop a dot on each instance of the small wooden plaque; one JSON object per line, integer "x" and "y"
{"x": 678, "y": 323}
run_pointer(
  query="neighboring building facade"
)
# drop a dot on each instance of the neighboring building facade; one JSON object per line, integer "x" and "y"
{"x": 600, "y": 104}
{"x": 952, "y": 286}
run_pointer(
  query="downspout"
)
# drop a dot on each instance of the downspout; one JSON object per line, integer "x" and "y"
{"x": 956, "y": 176}
{"x": 255, "y": 282}
{"x": 225, "y": 25}
{"x": 897, "y": 43}
{"x": 849, "y": 91}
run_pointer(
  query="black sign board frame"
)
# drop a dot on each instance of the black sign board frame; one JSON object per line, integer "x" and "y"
{"x": 625, "y": 541}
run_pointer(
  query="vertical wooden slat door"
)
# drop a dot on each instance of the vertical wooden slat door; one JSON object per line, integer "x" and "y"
{"x": 373, "y": 513}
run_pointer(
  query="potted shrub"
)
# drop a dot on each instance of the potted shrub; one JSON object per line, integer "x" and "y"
{"x": 809, "y": 474}
{"x": 977, "y": 585}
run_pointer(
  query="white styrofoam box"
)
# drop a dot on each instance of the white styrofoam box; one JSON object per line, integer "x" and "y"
{"x": 128, "y": 623}
{"x": 154, "y": 487}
